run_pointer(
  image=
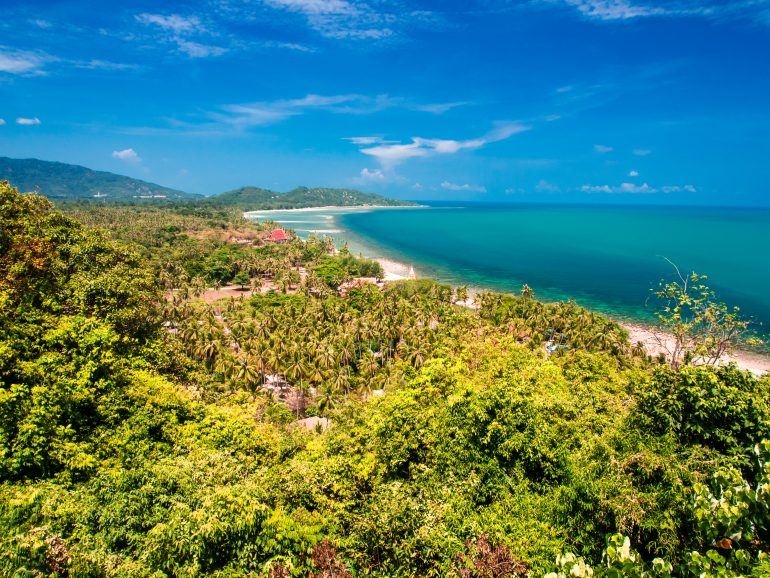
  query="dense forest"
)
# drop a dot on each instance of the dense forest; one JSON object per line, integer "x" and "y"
{"x": 150, "y": 427}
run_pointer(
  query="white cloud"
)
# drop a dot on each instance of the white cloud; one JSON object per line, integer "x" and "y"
{"x": 269, "y": 112}
{"x": 341, "y": 19}
{"x": 178, "y": 30}
{"x": 679, "y": 189}
{"x": 290, "y": 46}
{"x": 545, "y": 187}
{"x": 2, "y": 121}
{"x": 28, "y": 121}
{"x": 633, "y": 174}
{"x": 632, "y": 188}
{"x": 375, "y": 175}
{"x": 390, "y": 154}
{"x": 642, "y": 152}
{"x": 22, "y": 62}
{"x": 613, "y": 9}
{"x": 366, "y": 140}
{"x": 263, "y": 113}
{"x": 439, "y": 108}
{"x": 173, "y": 22}
{"x": 197, "y": 50}
{"x": 127, "y": 155}
{"x": 603, "y": 149}
{"x": 623, "y": 10}
{"x": 471, "y": 188}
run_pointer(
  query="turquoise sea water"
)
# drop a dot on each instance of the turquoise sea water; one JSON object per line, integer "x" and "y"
{"x": 606, "y": 258}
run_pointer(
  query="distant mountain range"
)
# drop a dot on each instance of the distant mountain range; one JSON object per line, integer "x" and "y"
{"x": 254, "y": 198}
{"x": 60, "y": 181}
{"x": 64, "y": 182}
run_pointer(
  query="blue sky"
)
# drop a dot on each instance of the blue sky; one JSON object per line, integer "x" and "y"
{"x": 531, "y": 100}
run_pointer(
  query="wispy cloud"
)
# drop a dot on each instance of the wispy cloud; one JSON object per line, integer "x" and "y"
{"x": 611, "y": 9}
{"x": 2, "y": 121}
{"x": 603, "y": 149}
{"x": 633, "y": 174}
{"x": 389, "y": 154}
{"x": 544, "y": 186}
{"x": 367, "y": 140}
{"x": 466, "y": 187}
{"x": 37, "y": 63}
{"x": 264, "y": 113}
{"x": 642, "y": 152}
{"x": 340, "y": 19}
{"x": 631, "y": 188}
{"x": 173, "y": 22}
{"x": 270, "y": 112}
{"x": 358, "y": 20}
{"x": 439, "y": 108}
{"x": 22, "y": 62}
{"x": 33, "y": 121}
{"x": 186, "y": 32}
{"x": 127, "y": 155}
{"x": 624, "y": 10}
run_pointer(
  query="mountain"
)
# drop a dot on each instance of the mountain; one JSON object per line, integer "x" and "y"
{"x": 61, "y": 181}
{"x": 255, "y": 198}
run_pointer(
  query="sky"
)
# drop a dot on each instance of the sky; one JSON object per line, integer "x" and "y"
{"x": 620, "y": 101}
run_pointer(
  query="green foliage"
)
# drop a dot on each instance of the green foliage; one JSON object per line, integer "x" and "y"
{"x": 146, "y": 432}
{"x": 702, "y": 329}
{"x": 724, "y": 409}
{"x": 336, "y": 269}
{"x": 733, "y": 526}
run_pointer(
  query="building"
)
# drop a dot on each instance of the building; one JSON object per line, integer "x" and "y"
{"x": 278, "y": 236}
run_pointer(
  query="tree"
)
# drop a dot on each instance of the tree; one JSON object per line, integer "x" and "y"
{"x": 696, "y": 327}
{"x": 242, "y": 278}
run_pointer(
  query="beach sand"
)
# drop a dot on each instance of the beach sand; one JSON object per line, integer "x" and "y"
{"x": 394, "y": 271}
{"x": 656, "y": 342}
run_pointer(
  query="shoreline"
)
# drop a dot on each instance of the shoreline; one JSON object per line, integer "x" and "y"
{"x": 653, "y": 340}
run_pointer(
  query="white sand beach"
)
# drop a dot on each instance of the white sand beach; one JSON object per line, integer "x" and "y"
{"x": 656, "y": 342}
{"x": 394, "y": 271}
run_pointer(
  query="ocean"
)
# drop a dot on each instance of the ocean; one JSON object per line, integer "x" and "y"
{"x": 607, "y": 258}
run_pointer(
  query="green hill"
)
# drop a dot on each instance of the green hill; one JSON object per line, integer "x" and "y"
{"x": 61, "y": 181}
{"x": 254, "y": 198}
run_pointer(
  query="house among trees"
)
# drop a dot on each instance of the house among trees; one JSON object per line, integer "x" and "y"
{"x": 278, "y": 236}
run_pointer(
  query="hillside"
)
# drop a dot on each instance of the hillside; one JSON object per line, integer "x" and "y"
{"x": 61, "y": 181}
{"x": 148, "y": 431}
{"x": 253, "y": 198}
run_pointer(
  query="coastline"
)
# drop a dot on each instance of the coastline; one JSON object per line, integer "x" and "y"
{"x": 653, "y": 340}
{"x": 649, "y": 336}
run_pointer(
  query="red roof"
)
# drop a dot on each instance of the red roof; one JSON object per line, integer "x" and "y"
{"x": 278, "y": 235}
